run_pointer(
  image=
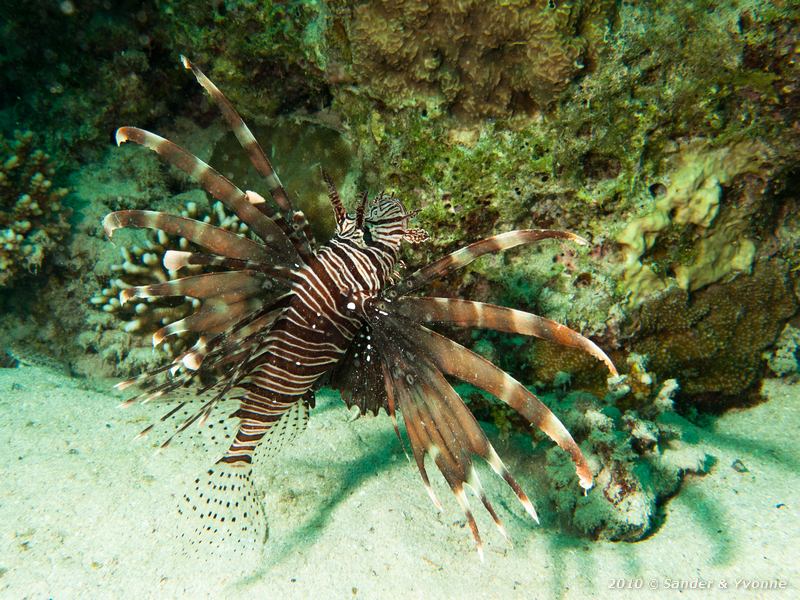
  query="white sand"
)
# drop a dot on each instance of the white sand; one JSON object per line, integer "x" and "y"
{"x": 81, "y": 506}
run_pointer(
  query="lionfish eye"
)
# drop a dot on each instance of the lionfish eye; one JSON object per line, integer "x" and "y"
{"x": 367, "y": 232}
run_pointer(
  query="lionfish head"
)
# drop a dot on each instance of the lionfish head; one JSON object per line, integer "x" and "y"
{"x": 382, "y": 219}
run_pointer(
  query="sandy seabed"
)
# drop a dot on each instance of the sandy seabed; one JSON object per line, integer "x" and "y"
{"x": 84, "y": 510}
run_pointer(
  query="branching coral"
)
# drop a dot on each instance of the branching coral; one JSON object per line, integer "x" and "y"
{"x": 141, "y": 265}
{"x": 32, "y": 219}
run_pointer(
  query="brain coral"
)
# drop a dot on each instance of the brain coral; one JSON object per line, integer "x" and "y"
{"x": 31, "y": 215}
{"x": 477, "y": 58}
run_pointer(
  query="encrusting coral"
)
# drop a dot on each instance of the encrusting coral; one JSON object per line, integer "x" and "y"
{"x": 692, "y": 199}
{"x": 714, "y": 340}
{"x": 474, "y": 58}
{"x": 32, "y": 218}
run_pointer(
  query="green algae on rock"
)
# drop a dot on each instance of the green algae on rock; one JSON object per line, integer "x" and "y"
{"x": 266, "y": 56}
{"x": 668, "y": 159}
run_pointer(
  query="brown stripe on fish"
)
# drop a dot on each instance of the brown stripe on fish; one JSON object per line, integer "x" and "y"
{"x": 464, "y": 256}
{"x": 453, "y": 359}
{"x": 339, "y": 211}
{"x": 302, "y": 240}
{"x": 217, "y": 240}
{"x": 232, "y": 285}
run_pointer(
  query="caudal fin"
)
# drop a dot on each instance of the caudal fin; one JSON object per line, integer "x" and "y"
{"x": 223, "y": 514}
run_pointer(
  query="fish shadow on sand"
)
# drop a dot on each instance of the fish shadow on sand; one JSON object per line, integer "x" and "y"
{"x": 343, "y": 479}
{"x": 568, "y": 553}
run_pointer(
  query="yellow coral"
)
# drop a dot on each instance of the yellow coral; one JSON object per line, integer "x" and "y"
{"x": 692, "y": 198}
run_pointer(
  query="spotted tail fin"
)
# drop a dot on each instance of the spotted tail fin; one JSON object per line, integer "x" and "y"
{"x": 222, "y": 512}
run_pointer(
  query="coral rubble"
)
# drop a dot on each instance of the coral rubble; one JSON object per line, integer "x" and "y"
{"x": 639, "y": 458}
{"x": 783, "y": 360}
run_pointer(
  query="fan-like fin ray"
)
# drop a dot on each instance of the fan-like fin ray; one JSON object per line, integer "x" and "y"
{"x": 358, "y": 375}
{"x": 215, "y": 184}
{"x": 456, "y": 360}
{"x": 464, "y": 256}
{"x": 216, "y": 240}
{"x": 209, "y": 356}
{"x": 466, "y": 313}
{"x": 439, "y": 424}
{"x": 301, "y": 237}
{"x": 230, "y": 286}
{"x": 390, "y": 408}
{"x": 215, "y": 316}
{"x": 177, "y": 259}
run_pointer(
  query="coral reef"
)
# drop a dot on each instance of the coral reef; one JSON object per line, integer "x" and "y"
{"x": 652, "y": 157}
{"x": 32, "y": 218}
{"x": 262, "y": 54}
{"x": 639, "y": 457}
{"x": 266, "y": 56}
{"x": 46, "y": 78}
{"x": 473, "y": 58}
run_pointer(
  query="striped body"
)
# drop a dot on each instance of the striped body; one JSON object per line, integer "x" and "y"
{"x": 313, "y": 333}
{"x": 276, "y": 316}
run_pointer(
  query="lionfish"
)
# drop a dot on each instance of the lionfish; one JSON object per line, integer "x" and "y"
{"x": 279, "y": 317}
